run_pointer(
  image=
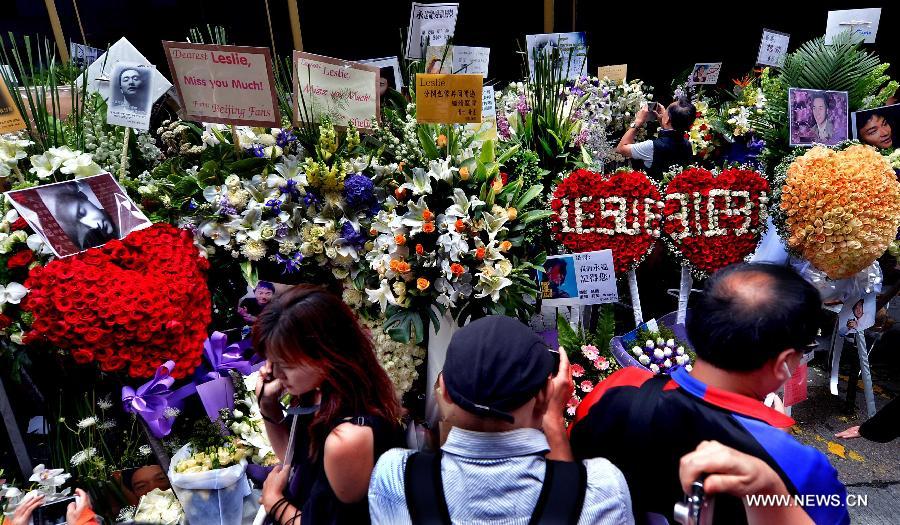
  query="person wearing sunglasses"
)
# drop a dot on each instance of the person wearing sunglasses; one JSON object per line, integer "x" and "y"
{"x": 344, "y": 411}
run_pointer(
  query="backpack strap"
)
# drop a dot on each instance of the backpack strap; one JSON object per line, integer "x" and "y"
{"x": 562, "y": 495}
{"x": 424, "y": 489}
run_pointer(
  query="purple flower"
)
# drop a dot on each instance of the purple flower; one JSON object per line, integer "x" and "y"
{"x": 225, "y": 208}
{"x": 274, "y": 204}
{"x": 311, "y": 200}
{"x": 282, "y": 230}
{"x": 291, "y": 264}
{"x": 359, "y": 191}
{"x": 257, "y": 150}
{"x": 290, "y": 188}
{"x": 349, "y": 234}
{"x": 522, "y": 105}
{"x": 503, "y": 127}
{"x": 284, "y": 138}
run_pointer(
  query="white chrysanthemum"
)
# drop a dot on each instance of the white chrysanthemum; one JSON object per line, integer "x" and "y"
{"x": 171, "y": 412}
{"x": 83, "y": 456}
{"x": 87, "y": 422}
{"x": 145, "y": 450}
{"x": 254, "y": 250}
{"x": 109, "y": 424}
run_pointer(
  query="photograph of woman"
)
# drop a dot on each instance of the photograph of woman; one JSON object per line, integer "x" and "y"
{"x": 344, "y": 414}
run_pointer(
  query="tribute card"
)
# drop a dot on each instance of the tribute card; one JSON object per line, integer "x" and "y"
{"x": 448, "y": 99}
{"x": 99, "y": 73}
{"x": 471, "y": 60}
{"x": 572, "y": 48}
{"x": 347, "y": 92}
{"x": 439, "y": 60}
{"x": 773, "y": 48}
{"x": 429, "y": 25}
{"x": 705, "y": 73}
{"x": 617, "y": 73}
{"x": 10, "y": 118}
{"x": 579, "y": 279}
{"x": 225, "y": 84}
{"x": 862, "y": 22}
{"x": 82, "y": 55}
{"x": 130, "y": 95}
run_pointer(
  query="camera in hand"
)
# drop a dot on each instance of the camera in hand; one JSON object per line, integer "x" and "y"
{"x": 53, "y": 513}
{"x": 652, "y": 108}
{"x": 696, "y": 509}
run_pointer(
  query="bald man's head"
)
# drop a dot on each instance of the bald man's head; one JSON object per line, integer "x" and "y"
{"x": 749, "y": 313}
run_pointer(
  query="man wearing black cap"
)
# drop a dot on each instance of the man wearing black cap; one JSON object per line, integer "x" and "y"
{"x": 503, "y": 391}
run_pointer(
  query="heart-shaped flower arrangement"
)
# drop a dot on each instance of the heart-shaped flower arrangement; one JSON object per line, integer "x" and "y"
{"x": 838, "y": 208}
{"x": 712, "y": 220}
{"x": 128, "y": 305}
{"x": 620, "y": 212}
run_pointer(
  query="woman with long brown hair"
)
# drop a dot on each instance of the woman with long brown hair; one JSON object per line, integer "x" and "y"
{"x": 344, "y": 407}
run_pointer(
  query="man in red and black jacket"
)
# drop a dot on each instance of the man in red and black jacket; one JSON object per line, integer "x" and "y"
{"x": 749, "y": 330}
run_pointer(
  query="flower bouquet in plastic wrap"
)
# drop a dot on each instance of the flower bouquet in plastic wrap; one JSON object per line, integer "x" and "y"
{"x": 588, "y": 354}
{"x": 210, "y": 480}
{"x": 659, "y": 346}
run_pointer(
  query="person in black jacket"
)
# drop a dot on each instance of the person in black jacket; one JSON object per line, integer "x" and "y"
{"x": 883, "y": 427}
{"x": 671, "y": 147}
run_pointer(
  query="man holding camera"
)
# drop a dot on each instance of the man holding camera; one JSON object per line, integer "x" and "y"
{"x": 671, "y": 147}
{"x": 749, "y": 330}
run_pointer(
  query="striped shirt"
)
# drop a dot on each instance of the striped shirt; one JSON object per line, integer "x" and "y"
{"x": 496, "y": 478}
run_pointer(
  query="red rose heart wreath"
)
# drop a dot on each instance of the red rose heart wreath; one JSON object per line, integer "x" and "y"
{"x": 713, "y": 221}
{"x": 620, "y": 212}
{"x": 131, "y": 304}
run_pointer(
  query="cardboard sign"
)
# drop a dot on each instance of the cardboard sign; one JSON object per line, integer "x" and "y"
{"x": 615, "y": 73}
{"x": 705, "y": 73}
{"x": 429, "y": 24}
{"x": 82, "y": 55}
{"x": 572, "y": 49}
{"x": 439, "y": 60}
{"x": 795, "y": 390}
{"x": 773, "y": 48}
{"x": 99, "y": 72}
{"x": 579, "y": 279}
{"x": 487, "y": 130}
{"x": 130, "y": 95}
{"x": 10, "y": 118}
{"x": 862, "y": 22}
{"x": 448, "y": 99}
{"x": 346, "y": 92}
{"x": 225, "y": 84}
{"x": 387, "y": 66}
{"x": 471, "y": 60}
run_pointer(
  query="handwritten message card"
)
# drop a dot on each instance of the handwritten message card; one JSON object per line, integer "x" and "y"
{"x": 773, "y": 48}
{"x": 473, "y": 60}
{"x": 578, "y": 279}
{"x": 225, "y": 84}
{"x": 448, "y": 99}
{"x": 615, "y": 73}
{"x": 346, "y": 92}
{"x": 429, "y": 25}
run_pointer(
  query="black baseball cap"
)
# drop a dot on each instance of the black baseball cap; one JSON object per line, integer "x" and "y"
{"x": 495, "y": 365}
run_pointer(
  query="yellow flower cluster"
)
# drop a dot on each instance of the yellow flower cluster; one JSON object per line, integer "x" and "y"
{"x": 842, "y": 208}
{"x": 321, "y": 176}
{"x": 214, "y": 458}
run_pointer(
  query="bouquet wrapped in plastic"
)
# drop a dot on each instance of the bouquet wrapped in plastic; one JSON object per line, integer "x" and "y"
{"x": 211, "y": 485}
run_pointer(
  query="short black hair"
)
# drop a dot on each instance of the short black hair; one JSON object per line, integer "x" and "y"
{"x": 387, "y": 73}
{"x": 822, "y": 95}
{"x": 682, "y": 114}
{"x": 265, "y": 284}
{"x": 557, "y": 263}
{"x": 751, "y": 312}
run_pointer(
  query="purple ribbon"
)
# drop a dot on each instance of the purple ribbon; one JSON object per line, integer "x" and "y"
{"x": 151, "y": 400}
{"x": 223, "y": 358}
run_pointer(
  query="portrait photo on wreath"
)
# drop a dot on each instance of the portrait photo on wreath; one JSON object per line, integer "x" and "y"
{"x": 75, "y": 215}
{"x": 130, "y": 87}
{"x": 817, "y": 117}
{"x": 878, "y": 126}
{"x": 252, "y": 304}
{"x": 559, "y": 279}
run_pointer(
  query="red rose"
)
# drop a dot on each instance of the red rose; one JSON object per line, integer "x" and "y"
{"x": 20, "y": 259}
{"x": 18, "y": 224}
{"x": 5, "y": 322}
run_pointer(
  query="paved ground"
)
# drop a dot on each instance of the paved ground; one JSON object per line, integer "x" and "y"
{"x": 868, "y": 469}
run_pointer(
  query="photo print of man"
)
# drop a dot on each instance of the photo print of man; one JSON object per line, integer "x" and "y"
{"x": 817, "y": 117}
{"x": 560, "y": 279}
{"x": 877, "y": 127}
{"x": 76, "y": 215}
{"x": 130, "y": 87}
{"x": 250, "y": 307}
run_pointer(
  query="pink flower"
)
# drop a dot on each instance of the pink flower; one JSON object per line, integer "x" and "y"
{"x": 586, "y": 386}
{"x": 570, "y": 411}
{"x": 601, "y": 363}
{"x": 573, "y": 401}
{"x": 577, "y": 370}
{"x": 590, "y": 352}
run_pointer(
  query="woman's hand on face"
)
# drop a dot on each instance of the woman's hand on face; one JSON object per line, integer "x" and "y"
{"x": 22, "y": 515}
{"x": 269, "y": 389}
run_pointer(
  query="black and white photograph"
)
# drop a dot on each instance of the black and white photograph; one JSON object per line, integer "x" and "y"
{"x": 129, "y": 95}
{"x": 878, "y": 126}
{"x": 390, "y": 73}
{"x": 74, "y": 216}
{"x": 817, "y": 117}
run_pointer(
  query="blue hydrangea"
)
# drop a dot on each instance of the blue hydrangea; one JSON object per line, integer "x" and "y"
{"x": 349, "y": 233}
{"x": 359, "y": 191}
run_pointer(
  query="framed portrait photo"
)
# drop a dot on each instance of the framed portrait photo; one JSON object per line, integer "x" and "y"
{"x": 76, "y": 215}
{"x": 817, "y": 117}
{"x": 877, "y": 127}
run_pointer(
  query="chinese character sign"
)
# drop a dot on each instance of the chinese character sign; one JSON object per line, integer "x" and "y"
{"x": 429, "y": 24}
{"x": 579, "y": 279}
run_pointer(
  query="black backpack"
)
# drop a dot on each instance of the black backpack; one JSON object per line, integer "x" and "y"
{"x": 560, "y": 502}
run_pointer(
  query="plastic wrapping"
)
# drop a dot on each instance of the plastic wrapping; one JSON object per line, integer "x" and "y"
{"x": 214, "y": 497}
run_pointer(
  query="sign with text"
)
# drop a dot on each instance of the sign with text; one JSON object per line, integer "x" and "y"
{"x": 346, "y": 92}
{"x": 429, "y": 25}
{"x": 100, "y": 73}
{"x": 862, "y": 22}
{"x": 773, "y": 48}
{"x": 448, "y": 99}
{"x": 225, "y": 84}
{"x": 579, "y": 279}
{"x": 10, "y": 118}
{"x": 487, "y": 130}
{"x": 705, "y": 73}
{"x": 568, "y": 49}
{"x": 82, "y": 55}
{"x": 471, "y": 60}
{"x": 615, "y": 73}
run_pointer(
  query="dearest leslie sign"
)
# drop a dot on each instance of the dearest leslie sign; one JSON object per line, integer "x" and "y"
{"x": 225, "y": 84}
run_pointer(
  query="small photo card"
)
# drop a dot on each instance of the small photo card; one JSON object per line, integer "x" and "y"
{"x": 391, "y": 76}
{"x": 439, "y": 60}
{"x": 347, "y": 92}
{"x": 571, "y": 47}
{"x": 99, "y": 73}
{"x": 705, "y": 73}
{"x": 10, "y": 118}
{"x": 429, "y": 25}
{"x": 879, "y": 127}
{"x": 130, "y": 98}
{"x": 75, "y": 215}
{"x": 862, "y": 22}
{"x": 225, "y": 84}
{"x": 448, "y": 99}
{"x": 579, "y": 279}
{"x": 773, "y": 48}
{"x": 817, "y": 117}
{"x": 487, "y": 130}
{"x": 471, "y": 60}
{"x": 858, "y": 316}
{"x": 617, "y": 73}
{"x": 82, "y": 55}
